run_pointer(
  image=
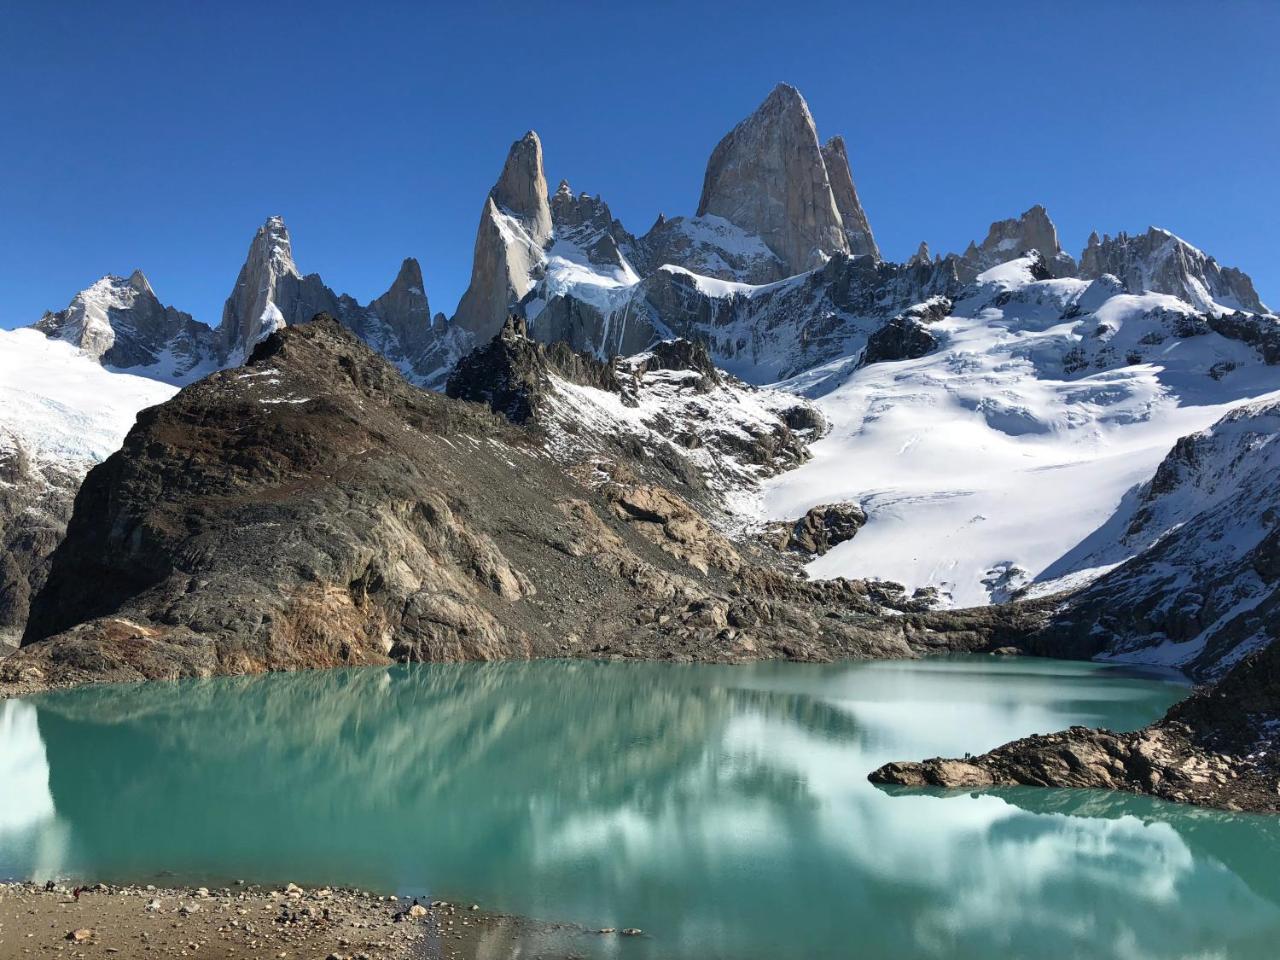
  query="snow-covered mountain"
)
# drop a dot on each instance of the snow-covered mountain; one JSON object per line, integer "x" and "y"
{"x": 120, "y": 323}
{"x": 1193, "y": 555}
{"x": 984, "y": 462}
{"x": 272, "y": 292}
{"x": 992, "y": 412}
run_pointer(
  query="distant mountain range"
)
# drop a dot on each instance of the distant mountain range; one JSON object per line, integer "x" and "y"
{"x": 1000, "y": 418}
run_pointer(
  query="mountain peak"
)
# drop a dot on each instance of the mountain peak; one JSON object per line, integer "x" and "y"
{"x": 138, "y": 281}
{"x": 767, "y": 176}
{"x": 1162, "y": 262}
{"x": 521, "y": 189}
{"x": 1018, "y": 236}
{"x": 409, "y": 277}
{"x": 857, "y": 228}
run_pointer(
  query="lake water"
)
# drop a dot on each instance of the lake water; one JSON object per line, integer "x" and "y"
{"x": 724, "y": 810}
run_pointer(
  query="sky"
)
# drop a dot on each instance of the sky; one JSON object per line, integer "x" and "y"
{"x": 161, "y": 135}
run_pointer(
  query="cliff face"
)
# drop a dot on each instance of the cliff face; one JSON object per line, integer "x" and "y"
{"x": 768, "y": 177}
{"x": 313, "y": 509}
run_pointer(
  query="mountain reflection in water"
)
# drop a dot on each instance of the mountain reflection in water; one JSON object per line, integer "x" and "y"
{"x": 723, "y": 809}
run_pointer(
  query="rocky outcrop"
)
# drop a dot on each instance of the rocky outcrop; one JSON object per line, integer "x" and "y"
{"x": 768, "y": 177}
{"x": 857, "y": 229}
{"x": 515, "y": 226}
{"x": 120, "y": 323}
{"x": 512, "y": 374}
{"x": 314, "y": 509}
{"x": 1014, "y": 238}
{"x": 907, "y": 336}
{"x": 668, "y": 411}
{"x": 1217, "y": 748}
{"x": 820, "y": 529}
{"x": 35, "y": 505}
{"x": 1161, "y": 262}
{"x": 586, "y": 223}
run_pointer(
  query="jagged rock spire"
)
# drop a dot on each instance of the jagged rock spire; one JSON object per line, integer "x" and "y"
{"x": 1165, "y": 263}
{"x": 515, "y": 226}
{"x": 1016, "y": 237}
{"x": 856, "y": 226}
{"x": 254, "y": 309}
{"x": 521, "y": 190}
{"x": 768, "y": 177}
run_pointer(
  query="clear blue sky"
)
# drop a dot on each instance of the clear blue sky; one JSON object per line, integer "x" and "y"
{"x": 160, "y": 135}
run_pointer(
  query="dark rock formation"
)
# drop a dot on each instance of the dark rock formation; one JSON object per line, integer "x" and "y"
{"x": 907, "y": 336}
{"x": 820, "y": 529}
{"x": 511, "y": 374}
{"x": 35, "y": 505}
{"x": 314, "y": 509}
{"x": 1220, "y": 748}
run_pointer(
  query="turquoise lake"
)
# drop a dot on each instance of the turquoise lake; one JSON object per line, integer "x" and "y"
{"x": 724, "y": 810}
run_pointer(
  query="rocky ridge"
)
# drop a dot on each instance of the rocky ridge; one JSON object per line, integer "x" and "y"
{"x": 1160, "y": 262}
{"x": 668, "y": 411}
{"x": 313, "y": 509}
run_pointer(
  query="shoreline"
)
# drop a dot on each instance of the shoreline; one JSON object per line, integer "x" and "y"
{"x": 247, "y": 921}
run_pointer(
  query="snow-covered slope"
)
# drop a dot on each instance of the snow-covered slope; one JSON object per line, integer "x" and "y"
{"x": 59, "y": 404}
{"x": 983, "y": 463}
{"x": 1200, "y": 585}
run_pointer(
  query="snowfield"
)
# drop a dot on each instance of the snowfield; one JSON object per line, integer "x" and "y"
{"x": 983, "y": 464}
{"x": 61, "y": 405}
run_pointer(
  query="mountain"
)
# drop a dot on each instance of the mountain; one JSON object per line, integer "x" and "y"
{"x": 768, "y": 177}
{"x": 121, "y": 324}
{"x": 857, "y": 229}
{"x": 976, "y": 426}
{"x": 776, "y": 205}
{"x": 270, "y": 292}
{"x": 669, "y": 412}
{"x": 1160, "y": 262}
{"x": 1015, "y": 238}
{"x": 1192, "y": 556}
{"x": 515, "y": 226}
{"x": 312, "y": 508}
{"x": 983, "y": 463}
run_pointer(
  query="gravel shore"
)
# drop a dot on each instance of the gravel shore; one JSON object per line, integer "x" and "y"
{"x": 242, "y": 922}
